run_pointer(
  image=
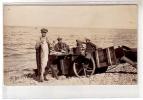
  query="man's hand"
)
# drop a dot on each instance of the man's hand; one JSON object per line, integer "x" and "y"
{"x": 63, "y": 51}
{"x": 42, "y": 41}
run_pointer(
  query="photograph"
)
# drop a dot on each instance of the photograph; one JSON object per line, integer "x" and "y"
{"x": 64, "y": 45}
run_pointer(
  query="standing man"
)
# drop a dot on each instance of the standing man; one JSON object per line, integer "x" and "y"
{"x": 90, "y": 48}
{"x": 63, "y": 48}
{"x": 42, "y": 51}
{"x": 40, "y": 39}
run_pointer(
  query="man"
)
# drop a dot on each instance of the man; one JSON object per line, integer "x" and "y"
{"x": 63, "y": 48}
{"x": 40, "y": 39}
{"x": 79, "y": 48}
{"x": 90, "y": 47}
{"x": 42, "y": 51}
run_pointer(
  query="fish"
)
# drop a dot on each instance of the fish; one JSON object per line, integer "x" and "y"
{"x": 44, "y": 57}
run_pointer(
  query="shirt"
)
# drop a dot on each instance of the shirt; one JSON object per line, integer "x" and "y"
{"x": 61, "y": 46}
{"x": 39, "y": 41}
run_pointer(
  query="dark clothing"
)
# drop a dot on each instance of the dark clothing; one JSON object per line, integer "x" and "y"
{"x": 90, "y": 47}
{"x": 61, "y": 46}
{"x": 79, "y": 47}
{"x": 79, "y": 43}
{"x": 38, "y": 61}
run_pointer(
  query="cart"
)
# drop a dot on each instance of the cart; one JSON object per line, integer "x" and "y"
{"x": 79, "y": 64}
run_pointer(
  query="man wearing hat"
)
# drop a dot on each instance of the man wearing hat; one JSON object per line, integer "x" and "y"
{"x": 42, "y": 39}
{"x": 61, "y": 46}
{"x": 90, "y": 47}
{"x": 64, "y": 48}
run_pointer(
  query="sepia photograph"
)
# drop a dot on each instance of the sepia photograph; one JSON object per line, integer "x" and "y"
{"x": 52, "y": 45}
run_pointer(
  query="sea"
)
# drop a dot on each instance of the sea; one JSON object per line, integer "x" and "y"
{"x": 19, "y": 41}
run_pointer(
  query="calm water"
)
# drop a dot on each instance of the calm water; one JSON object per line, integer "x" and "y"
{"x": 19, "y": 42}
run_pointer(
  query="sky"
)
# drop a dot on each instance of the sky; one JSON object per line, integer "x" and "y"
{"x": 99, "y": 16}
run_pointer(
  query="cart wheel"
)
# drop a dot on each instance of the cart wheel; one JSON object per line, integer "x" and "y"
{"x": 87, "y": 69}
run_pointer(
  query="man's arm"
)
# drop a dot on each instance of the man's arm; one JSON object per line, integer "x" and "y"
{"x": 66, "y": 47}
{"x": 56, "y": 48}
{"x": 81, "y": 42}
{"x": 49, "y": 44}
{"x": 93, "y": 45}
{"x": 37, "y": 45}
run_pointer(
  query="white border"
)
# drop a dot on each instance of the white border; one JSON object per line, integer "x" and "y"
{"x": 73, "y": 1}
{"x": 66, "y": 92}
{"x": 140, "y": 48}
{"x": 75, "y": 91}
{"x": 1, "y": 46}
{"x": 68, "y": 3}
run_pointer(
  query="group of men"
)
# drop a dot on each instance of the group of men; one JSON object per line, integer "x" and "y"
{"x": 60, "y": 46}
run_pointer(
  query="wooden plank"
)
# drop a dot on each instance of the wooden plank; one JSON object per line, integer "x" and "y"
{"x": 97, "y": 58}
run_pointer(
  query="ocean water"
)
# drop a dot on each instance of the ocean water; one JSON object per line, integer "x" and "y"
{"x": 19, "y": 42}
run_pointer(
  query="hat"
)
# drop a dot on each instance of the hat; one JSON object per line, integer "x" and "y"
{"x": 43, "y": 30}
{"x": 87, "y": 39}
{"x": 59, "y": 38}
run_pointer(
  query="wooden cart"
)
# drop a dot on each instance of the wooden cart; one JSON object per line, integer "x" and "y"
{"x": 87, "y": 64}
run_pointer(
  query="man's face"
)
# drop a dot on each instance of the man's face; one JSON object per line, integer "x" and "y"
{"x": 43, "y": 34}
{"x": 87, "y": 40}
{"x": 59, "y": 41}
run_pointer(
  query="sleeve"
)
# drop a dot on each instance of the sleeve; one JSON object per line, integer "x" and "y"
{"x": 49, "y": 44}
{"x": 56, "y": 48}
{"x": 93, "y": 45}
{"x": 47, "y": 40}
{"x": 37, "y": 45}
{"x": 81, "y": 42}
{"x": 66, "y": 47}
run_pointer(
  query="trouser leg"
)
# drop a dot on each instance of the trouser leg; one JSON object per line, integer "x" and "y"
{"x": 46, "y": 72}
{"x": 38, "y": 62}
{"x": 54, "y": 70}
{"x": 62, "y": 66}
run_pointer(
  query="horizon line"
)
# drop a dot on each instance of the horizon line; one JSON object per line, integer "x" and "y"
{"x": 65, "y": 27}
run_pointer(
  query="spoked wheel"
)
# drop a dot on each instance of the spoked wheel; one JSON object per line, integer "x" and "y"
{"x": 86, "y": 68}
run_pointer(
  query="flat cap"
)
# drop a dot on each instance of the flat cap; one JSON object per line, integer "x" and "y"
{"x": 59, "y": 38}
{"x": 44, "y": 30}
{"x": 87, "y": 39}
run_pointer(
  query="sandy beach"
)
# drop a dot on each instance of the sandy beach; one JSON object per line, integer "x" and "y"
{"x": 19, "y": 55}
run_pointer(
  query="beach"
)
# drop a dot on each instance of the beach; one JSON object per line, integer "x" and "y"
{"x": 20, "y": 56}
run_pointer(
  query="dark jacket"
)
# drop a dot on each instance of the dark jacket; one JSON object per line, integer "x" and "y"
{"x": 61, "y": 46}
{"x": 90, "y": 47}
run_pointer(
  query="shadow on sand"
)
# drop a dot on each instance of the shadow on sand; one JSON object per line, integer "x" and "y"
{"x": 122, "y": 72}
